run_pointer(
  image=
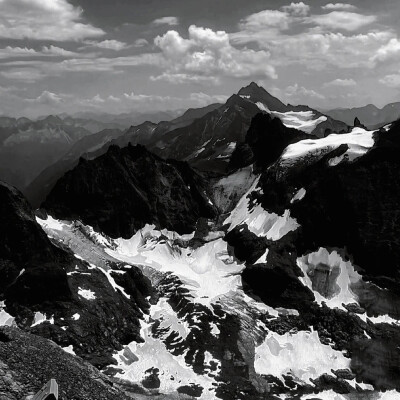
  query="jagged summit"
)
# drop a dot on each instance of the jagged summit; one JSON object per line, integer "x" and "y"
{"x": 256, "y": 93}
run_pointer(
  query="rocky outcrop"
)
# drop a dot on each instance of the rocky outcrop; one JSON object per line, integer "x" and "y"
{"x": 123, "y": 190}
{"x": 55, "y": 295}
{"x": 28, "y": 361}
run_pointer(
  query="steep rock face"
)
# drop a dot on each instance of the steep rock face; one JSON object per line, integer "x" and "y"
{"x": 339, "y": 266}
{"x": 124, "y": 189}
{"x": 50, "y": 292}
{"x": 24, "y": 245}
{"x": 268, "y": 137}
{"x": 351, "y": 204}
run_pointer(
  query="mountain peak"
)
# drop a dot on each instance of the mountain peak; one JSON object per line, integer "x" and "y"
{"x": 256, "y": 93}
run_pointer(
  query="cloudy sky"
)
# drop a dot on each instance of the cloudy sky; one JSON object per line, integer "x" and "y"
{"x": 122, "y": 55}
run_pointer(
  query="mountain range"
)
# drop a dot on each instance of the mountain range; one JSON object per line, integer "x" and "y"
{"x": 244, "y": 251}
{"x": 204, "y": 137}
{"x": 370, "y": 115}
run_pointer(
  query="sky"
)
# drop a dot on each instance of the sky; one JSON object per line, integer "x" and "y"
{"x": 120, "y": 56}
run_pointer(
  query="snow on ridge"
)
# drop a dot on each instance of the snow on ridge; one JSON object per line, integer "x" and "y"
{"x": 358, "y": 140}
{"x": 301, "y": 355}
{"x": 301, "y": 120}
{"x": 51, "y": 223}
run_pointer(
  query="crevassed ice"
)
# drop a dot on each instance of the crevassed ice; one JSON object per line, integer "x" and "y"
{"x": 208, "y": 271}
{"x": 173, "y": 370}
{"x": 301, "y": 355}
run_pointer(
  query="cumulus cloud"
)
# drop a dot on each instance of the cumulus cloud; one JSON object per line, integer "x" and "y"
{"x": 185, "y": 78}
{"x": 315, "y": 41}
{"x": 23, "y": 74}
{"x": 209, "y": 53}
{"x": 265, "y": 20}
{"x": 341, "y": 83}
{"x": 342, "y": 20}
{"x": 109, "y": 44}
{"x": 46, "y": 97}
{"x": 389, "y": 51}
{"x": 339, "y": 6}
{"x": 297, "y": 9}
{"x": 300, "y": 92}
{"x": 18, "y": 52}
{"x": 166, "y": 21}
{"x": 56, "y": 20}
{"x": 140, "y": 42}
{"x": 392, "y": 81}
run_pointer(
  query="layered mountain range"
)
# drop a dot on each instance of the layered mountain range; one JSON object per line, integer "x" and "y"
{"x": 265, "y": 268}
{"x": 372, "y": 116}
{"x": 204, "y": 137}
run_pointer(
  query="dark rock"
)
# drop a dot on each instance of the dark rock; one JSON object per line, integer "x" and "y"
{"x": 121, "y": 191}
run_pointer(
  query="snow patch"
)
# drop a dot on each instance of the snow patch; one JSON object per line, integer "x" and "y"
{"x": 86, "y": 294}
{"x": 69, "y": 349}
{"x": 301, "y": 355}
{"x": 39, "y": 318}
{"x": 259, "y": 221}
{"x": 75, "y": 317}
{"x": 5, "y": 318}
{"x": 51, "y": 223}
{"x": 329, "y": 277}
{"x": 299, "y": 195}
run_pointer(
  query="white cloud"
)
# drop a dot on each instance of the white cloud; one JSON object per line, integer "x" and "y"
{"x": 55, "y": 20}
{"x": 185, "y": 78}
{"x": 342, "y": 20}
{"x": 109, "y": 44}
{"x": 47, "y": 97}
{"x": 203, "y": 99}
{"x": 23, "y": 74}
{"x": 265, "y": 20}
{"x": 293, "y": 41}
{"x": 166, "y": 21}
{"x": 209, "y": 53}
{"x": 392, "y": 81}
{"x": 389, "y": 51}
{"x": 297, "y": 9}
{"x": 18, "y": 52}
{"x": 341, "y": 83}
{"x": 339, "y": 6}
{"x": 57, "y": 51}
{"x": 300, "y": 93}
{"x": 140, "y": 43}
